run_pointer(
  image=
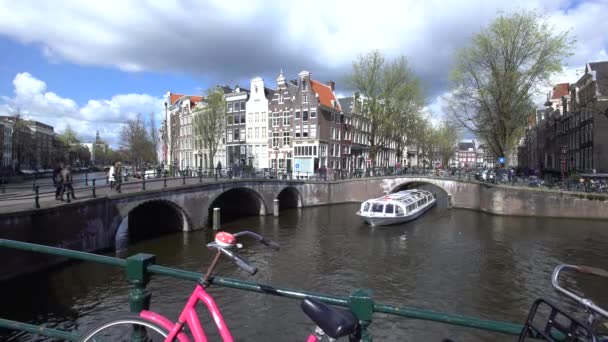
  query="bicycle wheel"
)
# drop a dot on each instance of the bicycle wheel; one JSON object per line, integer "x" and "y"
{"x": 127, "y": 327}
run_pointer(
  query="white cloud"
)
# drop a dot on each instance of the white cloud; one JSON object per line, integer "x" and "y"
{"x": 235, "y": 40}
{"x": 35, "y": 101}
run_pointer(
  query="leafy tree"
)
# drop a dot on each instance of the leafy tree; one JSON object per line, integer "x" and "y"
{"x": 69, "y": 136}
{"x": 380, "y": 82}
{"x": 445, "y": 139}
{"x": 154, "y": 137}
{"x": 210, "y": 121}
{"x": 497, "y": 76}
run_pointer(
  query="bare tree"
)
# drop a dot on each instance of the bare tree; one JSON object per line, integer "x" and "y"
{"x": 496, "y": 78}
{"x": 210, "y": 121}
{"x": 379, "y": 82}
{"x": 136, "y": 142}
{"x": 154, "y": 137}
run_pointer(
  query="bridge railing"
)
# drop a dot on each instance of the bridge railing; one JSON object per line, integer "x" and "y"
{"x": 140, "y": 267}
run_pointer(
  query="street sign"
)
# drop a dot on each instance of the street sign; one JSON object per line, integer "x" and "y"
{"x": 501, "y": 160}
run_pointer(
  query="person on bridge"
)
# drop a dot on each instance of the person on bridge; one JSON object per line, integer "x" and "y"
{"x": 118, "y": 176}
{"x": 111, "y": 178}
{"x": 66, "y": 183}
{"x": 57, "y": 180}
{"x": 218, "y": 171}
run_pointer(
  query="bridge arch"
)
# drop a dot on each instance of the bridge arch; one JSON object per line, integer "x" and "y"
{"x": 443, "y": 196}
{"x": 235, "y": 203}
{"x": 150, "y": 219}
{"x": 289, "y": 197}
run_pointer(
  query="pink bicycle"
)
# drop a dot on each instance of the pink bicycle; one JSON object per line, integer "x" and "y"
{"x": 151, "y": 326}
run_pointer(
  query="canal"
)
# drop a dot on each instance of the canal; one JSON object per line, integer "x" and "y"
{"x": 456, "y": 261}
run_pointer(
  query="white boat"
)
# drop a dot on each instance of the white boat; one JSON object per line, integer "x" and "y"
{"x": 399, "y": 207}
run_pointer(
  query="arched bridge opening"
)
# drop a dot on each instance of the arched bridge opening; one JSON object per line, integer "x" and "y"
{"x": 289, "y": 198}
{"x": 149, "y": 220}
{"x": 235, "y": 203}
{"x": 443, "y": 200}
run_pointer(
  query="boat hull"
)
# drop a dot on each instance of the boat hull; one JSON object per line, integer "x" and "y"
{"x": 387, "y": 221}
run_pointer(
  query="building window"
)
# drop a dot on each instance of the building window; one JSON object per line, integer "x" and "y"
{"x": 305, "y": 115}
{"x": 305, "y": 131}
{"x": 236, "y": 134}
{"x": 230, "y": 136}
{"x": 242, "y": 117}
{"x": 257, "y": 117}
{"x": 297, "y": 115}
{"x": 281, "y": 163}
{"x": 280, "y": 97}
{"x": 257, "y": 132}
{"x": 229, "y": 107}
{"x": 242, "y": 105}
{"x": 275, "y": 119}
{"x": 275, "y": 139}
{"x": 263, "y": 132}
{"x": 242, "y": 134}
{"x": 313, "y": 131}
{"x": 304, "y": 85}
{"x": 274, "y": 163}
{"x": 286, "y": 138}
{"x": 305, "y": 98}
{"x": 313, "y": 113}
{"x": 230, "y": 119}
{"x": 237, "y": 119}
{"x": 249, "y": 133}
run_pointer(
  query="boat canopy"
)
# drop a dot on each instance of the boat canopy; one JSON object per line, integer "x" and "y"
{"x": 399, "y": 203}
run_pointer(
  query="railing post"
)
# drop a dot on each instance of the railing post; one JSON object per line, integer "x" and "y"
{"x": 139, "y": 297}
{"x": 200, "y": 176}
{"x": 37, "y": 198}
{"x": 184, "y": 179}
{"x": 137, "y": 275}
{"x": 94, "y": 195}
{"x": 362, "y": 305}
{"x": 86, "y": 178}
{"x": 165, "y": 181}
{"x": 143, "y": 183}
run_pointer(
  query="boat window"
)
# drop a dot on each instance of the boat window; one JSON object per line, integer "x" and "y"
{"x": 389, "y": 209}
{"x": 399, "y": 210}
{"x": 377, "y": 207}
{"x": 366, "y": 207}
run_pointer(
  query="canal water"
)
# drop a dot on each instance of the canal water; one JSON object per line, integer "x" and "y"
{"x": 455, "y": 261}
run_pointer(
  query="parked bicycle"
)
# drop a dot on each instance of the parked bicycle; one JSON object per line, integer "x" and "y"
{"x": 151, "y": 326}
{"x": 550, "y": 322}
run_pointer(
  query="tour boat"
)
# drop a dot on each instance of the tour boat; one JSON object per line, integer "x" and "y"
{"x": 399, "y": 207}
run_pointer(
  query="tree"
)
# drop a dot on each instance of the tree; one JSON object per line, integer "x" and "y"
{"x": 497, "y": 76}
{"x": 69, "y": 136}
{"x": 445, "y": 138}
{"x": 136, "y": 143}
{"x": 154, "y": 137}
{"x": 210, "y": 120}
{"x": 405, "y": 111}
{"x": 380, "y": 82}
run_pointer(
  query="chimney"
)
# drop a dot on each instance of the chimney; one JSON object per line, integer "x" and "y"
{"x": 332, "y": 85}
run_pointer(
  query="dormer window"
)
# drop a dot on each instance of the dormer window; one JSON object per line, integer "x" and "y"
{"x": 304, "y": 85}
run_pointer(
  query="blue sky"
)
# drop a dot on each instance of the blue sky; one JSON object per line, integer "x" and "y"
{"x": 96, "y": 64}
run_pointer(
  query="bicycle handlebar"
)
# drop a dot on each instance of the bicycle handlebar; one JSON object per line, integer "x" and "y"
{"x": 580, "y": 269}
{"x": 260, "y": 239}
{"x": 225, "y": 241}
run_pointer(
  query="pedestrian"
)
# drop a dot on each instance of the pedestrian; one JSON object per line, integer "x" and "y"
{"x": 66, "y": 180}
{"x": 111, "y": 178}
{"x": 57, "y": 180}
{"x": 218, "y": 169}
{"x": 118, "y": 176}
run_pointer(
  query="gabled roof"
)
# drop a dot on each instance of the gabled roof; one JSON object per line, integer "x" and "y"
{"x": 175, "y": 97}
{"x": 561, "y": 89}
{"x": 601, "y": 76}
{"x": 346, "y": 103}
{"x": 326, "y": 95}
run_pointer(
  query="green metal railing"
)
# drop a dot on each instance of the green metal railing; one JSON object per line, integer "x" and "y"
{"x": 141, "y": 266}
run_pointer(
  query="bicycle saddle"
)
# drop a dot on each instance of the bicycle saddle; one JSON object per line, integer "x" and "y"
{"x": 334, "y": 322}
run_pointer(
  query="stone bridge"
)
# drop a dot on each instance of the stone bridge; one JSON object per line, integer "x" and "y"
{"x": 93, "y": 224}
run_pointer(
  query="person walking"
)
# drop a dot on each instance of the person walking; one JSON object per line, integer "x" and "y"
{"x": 66, "y": 180}
{"x": 57, "y": 180}
{"x": 218, "y": 170}
{"x": 111, "y": 178}
{"x": 118, "y": 176}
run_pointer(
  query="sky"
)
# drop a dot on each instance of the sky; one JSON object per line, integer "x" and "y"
{"x": 95, "y": 64}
